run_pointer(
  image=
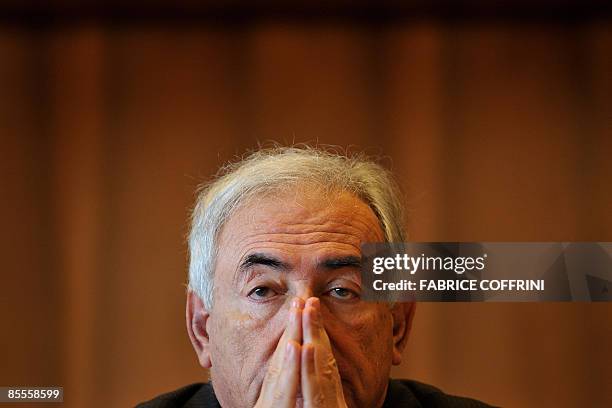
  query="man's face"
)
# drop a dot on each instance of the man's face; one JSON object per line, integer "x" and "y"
{"x": 299, "y": 244}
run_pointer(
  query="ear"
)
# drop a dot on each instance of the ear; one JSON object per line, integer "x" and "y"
{"x": 402, "y": 323}
{"x": 197, "y": 316}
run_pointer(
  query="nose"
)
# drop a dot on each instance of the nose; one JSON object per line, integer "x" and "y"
{"x": 303, "y": 292}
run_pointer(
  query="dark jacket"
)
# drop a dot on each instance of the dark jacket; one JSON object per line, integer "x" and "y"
{"x": 401, "y": 393}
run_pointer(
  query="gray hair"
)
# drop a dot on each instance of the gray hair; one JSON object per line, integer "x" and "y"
{"x": 271, "y": 169}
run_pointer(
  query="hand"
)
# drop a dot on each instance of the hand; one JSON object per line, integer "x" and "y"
{"x": 320, "y": 379}
{"x": 280, "y": 385}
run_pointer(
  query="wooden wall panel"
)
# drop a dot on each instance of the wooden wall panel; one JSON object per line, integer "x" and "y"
{"x": 30, "y": 291}
{"x": 77, "y": 124}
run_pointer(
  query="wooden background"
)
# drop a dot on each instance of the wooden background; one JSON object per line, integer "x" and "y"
{"x": 495, "y": 119}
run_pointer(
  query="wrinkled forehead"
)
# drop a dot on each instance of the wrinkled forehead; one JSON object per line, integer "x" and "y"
{"x": 306, "y": 209}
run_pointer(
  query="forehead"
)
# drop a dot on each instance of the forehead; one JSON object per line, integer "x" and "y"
{"x": 301, "y": 216}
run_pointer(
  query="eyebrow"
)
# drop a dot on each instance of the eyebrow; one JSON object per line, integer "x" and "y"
{"x": 262, "y": 259}
{"x": 342, "y": 262}
{"x": 274, "y": 263}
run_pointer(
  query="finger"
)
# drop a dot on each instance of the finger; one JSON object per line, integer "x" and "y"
{"x": 310, "y": 383}
{"x": 311, "y": 321}
{"x": 293, "y": 331}
{"x": 286, "y": 390}
{"x": 321, "y": 383}
{"x": 294, "y": 326}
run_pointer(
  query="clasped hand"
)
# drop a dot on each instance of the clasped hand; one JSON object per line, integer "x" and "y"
{"x": 303, "y": 358}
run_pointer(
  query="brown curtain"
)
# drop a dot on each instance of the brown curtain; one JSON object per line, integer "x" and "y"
{"x": 498, "y": 130}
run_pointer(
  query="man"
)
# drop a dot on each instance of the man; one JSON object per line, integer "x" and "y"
{"x": 274, "y": 306}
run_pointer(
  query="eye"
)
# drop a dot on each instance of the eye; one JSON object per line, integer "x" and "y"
{"x": 261, "y": 293}
{"x": 343, "y": 293}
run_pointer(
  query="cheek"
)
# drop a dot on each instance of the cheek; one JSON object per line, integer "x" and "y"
{"x": 242, "y": 343}
{"x": 362, "y": 344}
{"x": 363, "y": 335}
{"x": 246, "y": 333}
{"x": 365, "y": 321}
